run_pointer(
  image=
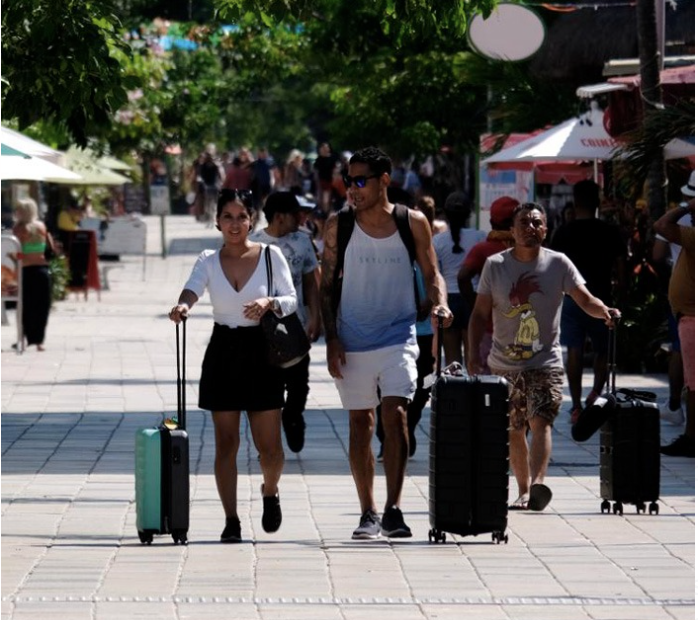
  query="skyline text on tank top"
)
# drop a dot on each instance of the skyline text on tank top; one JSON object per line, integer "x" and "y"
{"x": 377, "y": 307}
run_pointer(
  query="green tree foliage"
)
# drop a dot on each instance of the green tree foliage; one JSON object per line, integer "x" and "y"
{"x": 281, "y": 73}
{"x": 59, "y": 64}
{"x": 400, "y": 73}
{"x": 396, "y": 18}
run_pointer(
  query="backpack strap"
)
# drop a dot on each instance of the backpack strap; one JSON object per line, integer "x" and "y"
{"x": 402, "y": 218}
{"x": 401, "y": 213}
{"x": 345, "y": 226}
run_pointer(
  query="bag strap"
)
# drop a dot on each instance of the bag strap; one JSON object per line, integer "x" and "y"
{"x": 402, "y": 218}
{"x": 181, "y": 373}
{"x": 270, "y": 273}
{"x": 346, "y": 218}
{"x": 345, "y": 226}
{"x": 401, "y": 213}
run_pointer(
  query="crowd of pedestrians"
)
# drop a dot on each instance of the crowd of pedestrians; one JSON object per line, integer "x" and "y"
{"x": 373, "y": 256}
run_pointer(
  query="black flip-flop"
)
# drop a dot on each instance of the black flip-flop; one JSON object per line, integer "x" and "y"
{"x": 539, "y": 497}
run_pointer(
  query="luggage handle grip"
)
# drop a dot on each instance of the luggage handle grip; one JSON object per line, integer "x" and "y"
{"x": 455, "y": 368}
{"x": 612, "y": 331}
{"x": 439, "y": 340}
{"x": 181, "y": 375}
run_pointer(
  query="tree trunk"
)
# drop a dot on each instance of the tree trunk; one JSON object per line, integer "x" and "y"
{"x": 651, "y": 97}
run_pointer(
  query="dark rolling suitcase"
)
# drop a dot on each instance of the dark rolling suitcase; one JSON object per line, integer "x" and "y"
{"x": 468, "y": 455}
{"x": 162, "y": 470}
{"x": 629, "y": 448}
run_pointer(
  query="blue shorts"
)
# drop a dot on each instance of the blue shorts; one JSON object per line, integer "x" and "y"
{"x": 576, "y": 325}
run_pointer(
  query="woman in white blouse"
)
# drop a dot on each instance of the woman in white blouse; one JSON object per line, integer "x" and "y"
{"x": 235, "y": 361}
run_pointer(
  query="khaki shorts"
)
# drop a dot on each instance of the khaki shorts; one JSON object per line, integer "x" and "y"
{"x": 535, "y": 392}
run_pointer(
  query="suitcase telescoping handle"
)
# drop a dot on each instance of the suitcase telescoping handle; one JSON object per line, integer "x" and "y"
{"x": 181, "y": 374}
{"x": 439, "y": 341}
{"x": 612, "y": 333}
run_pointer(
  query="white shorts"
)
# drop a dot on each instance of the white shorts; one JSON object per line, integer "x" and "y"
{"x": 392, "y": 369}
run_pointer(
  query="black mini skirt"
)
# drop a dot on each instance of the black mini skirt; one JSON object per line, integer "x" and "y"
{"x": 235, "y": 375}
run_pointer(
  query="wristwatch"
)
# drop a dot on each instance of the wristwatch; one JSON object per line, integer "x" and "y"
{"x": 275, "y": 306}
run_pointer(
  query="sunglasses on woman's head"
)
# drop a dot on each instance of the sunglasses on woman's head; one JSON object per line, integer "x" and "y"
{"x": 232, "y": 194}
{"x": 359, "y": 180}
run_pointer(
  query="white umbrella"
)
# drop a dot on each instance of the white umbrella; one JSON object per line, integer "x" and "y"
{"x": 577, "y": 139}
{"x": 27, "y": 145}
{"x": 21, "y": 167}
{"x": 91, "y": 171}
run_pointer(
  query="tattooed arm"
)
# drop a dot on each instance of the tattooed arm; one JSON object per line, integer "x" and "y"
{"x": 335, "y": 350}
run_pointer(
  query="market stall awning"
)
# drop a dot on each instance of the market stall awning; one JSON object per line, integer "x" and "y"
{"x": 27, "y": 145}
{"x": 672, "y": 75}
{"x": 18, "y": 166}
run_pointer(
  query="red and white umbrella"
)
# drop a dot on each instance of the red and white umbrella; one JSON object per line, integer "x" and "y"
{"x": 582, "y": 138}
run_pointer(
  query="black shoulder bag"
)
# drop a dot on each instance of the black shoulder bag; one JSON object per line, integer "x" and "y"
{"x": 287, "y": 342}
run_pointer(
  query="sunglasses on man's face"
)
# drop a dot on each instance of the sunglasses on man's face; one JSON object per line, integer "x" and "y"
{"x": 359, "y": 180}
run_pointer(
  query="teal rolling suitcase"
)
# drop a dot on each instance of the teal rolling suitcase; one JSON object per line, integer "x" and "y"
{"x": 162, "y": 470}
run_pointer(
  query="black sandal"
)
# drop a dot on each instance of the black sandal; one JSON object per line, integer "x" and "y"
{"x": 271, "y": 514}
{"x": 539, "y": 497}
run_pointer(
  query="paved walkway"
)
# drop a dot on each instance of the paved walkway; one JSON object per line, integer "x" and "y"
{"x": 69, "y": 543}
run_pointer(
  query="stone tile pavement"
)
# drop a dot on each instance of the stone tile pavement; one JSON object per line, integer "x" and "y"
{"x": 70, "y": 548}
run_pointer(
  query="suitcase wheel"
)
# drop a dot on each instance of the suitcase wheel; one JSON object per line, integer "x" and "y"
{"x": 179, "y": 537}
{"x": 605, "y": 507}
{"x": 618, "y": 508}
{"x": 436, "y": 536}
{"x": 145, "y": 538}
{"x": 640, "y": 507}
{"x": 654, "y": 508}
{"x": 499, "y": 537}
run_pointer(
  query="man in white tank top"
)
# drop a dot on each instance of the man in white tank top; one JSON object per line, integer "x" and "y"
{"x": 371, "y": 336}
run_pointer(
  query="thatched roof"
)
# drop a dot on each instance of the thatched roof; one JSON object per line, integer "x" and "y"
{"x": 577, "y": 44}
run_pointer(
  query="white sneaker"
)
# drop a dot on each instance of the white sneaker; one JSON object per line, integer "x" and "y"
{"x": 673, "y": 416}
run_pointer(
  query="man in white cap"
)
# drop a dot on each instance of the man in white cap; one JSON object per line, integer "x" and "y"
{"x": 682, "y": 299}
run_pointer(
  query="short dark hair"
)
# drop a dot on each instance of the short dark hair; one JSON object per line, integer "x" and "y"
{"x": 586, "y": 195}
{"x": 280, "y": 202}
{"x": 378, "y": 162}
{"x": 528, "y": 206}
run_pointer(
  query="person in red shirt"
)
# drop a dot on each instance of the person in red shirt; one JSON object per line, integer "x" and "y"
{"x": 498, "y": 239}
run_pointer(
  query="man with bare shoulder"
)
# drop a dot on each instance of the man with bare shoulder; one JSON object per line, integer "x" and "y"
{"x": 369, "y": 314}
{"x": 521, "y": 290}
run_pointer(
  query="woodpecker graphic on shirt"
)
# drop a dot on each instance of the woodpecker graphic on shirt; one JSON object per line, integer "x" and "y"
{"x": 527, "y": 340}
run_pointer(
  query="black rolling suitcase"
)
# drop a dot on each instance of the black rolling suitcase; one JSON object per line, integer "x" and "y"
{"x": 629, "y": 447}
{"x": 162, "y": 470}
{"x": 468, "y": 455}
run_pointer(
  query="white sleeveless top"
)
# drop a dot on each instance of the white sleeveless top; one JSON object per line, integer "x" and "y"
{"x": 377, "y": 306}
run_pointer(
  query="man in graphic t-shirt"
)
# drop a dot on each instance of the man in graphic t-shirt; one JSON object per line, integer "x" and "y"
{"x": 521, "y": 291}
